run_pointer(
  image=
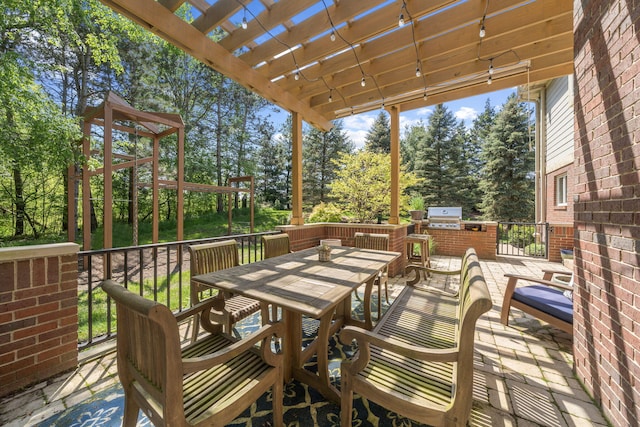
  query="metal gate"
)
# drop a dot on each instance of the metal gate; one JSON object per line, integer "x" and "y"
{"x": 526, "y": 239}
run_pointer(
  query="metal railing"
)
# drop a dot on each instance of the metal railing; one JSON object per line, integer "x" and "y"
{"x": 526, "y": 239}
{"x": 155, "y": 271}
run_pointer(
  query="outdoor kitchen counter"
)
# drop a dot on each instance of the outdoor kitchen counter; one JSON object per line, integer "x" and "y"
{"x": 480, "y": 235}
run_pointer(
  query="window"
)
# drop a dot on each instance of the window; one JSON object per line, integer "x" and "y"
{"x": 561, "y": 190}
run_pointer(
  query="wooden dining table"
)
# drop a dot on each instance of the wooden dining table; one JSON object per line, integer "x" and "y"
{"x": 301, "y": 285}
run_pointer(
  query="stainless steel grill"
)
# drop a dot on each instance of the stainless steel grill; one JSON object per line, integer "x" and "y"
{"x": 444, "y": 217}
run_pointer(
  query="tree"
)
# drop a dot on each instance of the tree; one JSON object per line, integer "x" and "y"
{"x": 439, "y": 161}
{"x": 378, "y": 138}
{"x": 363, "y": 184}
{"x": 320, "y": 149}
{"x": 507, "y": 182}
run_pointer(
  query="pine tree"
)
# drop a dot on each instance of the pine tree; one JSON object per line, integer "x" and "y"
{"x": 319, "y": 151}
{"x": 378, "y": 139}
{"x": 437, "y": 162}
{"x": 507, "y": 182}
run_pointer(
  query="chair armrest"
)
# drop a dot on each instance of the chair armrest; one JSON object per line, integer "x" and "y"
{"x": 513, "y": 278}
{"x": 418, "y": 269}
{"x": 365, "y": 338}
{"x": 216, "y": 304}
{"x": 263, "y": 334}
{"x": 548, "y": 274}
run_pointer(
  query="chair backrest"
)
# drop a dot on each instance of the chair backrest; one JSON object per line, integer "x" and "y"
{"x": 209, "y": 257}
{"x": 148, "y": 345}
{"x": 474, "y": 300}
{"x": 276, "y": 245}
{"x": 215, "y": 256}
{"x": 373, "y": 241}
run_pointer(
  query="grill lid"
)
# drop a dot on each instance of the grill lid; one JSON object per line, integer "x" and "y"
{"x": 444, "y": 213}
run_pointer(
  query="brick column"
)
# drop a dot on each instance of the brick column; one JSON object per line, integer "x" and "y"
{"x": 38, "y": 313}
{"x": 606, "y": 301}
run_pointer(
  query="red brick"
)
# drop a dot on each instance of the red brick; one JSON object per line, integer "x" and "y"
{"x": 36, "y": 330}
{"x": 53, "y": 270}
{"x": 35, "y": 310}
{"x": 7, "y": 277}
{"x": 24, "y": 274}
{"x": 38, "y": 273}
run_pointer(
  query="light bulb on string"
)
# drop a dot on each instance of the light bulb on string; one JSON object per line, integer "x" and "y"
{"x": 489, "y": 80}
{"x": 333, "y": 36}
{"x": 331, "y": 96}
{"x": 244, "y": 23}
{"x": 296, "y": 76}
{"x": 401, "y": 20}
{"x": 491, "y": 69}
{"x": 482, "y": 31}
{"x": 363, "y": 83}
{"x": 418, "y": 72}
{"x": 424, "y": 97}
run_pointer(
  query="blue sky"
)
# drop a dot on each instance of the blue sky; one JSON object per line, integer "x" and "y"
{"x": 466, "y": 109}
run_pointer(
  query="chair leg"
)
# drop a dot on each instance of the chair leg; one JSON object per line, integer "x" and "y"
{"x": 346, "y": 405}
{"x": 131, "y": 410}
{"x": 379, "y": 298}
{"x": 277, "y": 396}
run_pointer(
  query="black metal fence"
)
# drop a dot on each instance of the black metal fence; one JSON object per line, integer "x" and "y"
{"x": 159, "y": 272}
{"x": 526, "y": 239}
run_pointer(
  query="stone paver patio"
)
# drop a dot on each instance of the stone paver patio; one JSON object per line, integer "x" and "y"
{"x": 523, "y": 372}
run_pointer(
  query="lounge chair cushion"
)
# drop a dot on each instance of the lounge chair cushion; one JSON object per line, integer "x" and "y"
{"x": 549, "y": 300}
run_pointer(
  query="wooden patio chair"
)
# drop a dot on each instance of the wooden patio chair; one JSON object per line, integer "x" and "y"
{"x": 209, "y": 257}
{"x": 548, "y": 299}
{"x": 209, "y": 382}
{"x": 276, "y": 245}
{"x": 379, "y": 242}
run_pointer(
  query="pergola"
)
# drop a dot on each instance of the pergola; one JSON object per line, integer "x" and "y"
{"x": 116, "y": 114}
{"x": 323, "y": 60}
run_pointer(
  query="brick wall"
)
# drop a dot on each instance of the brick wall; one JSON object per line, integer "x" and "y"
{"x": 456, "y": 242}
{"x": 607, "y": 205}
{"x": 560, "y": 214}
{"x": 38, "y": 313}
{"x": 560, "y": 237}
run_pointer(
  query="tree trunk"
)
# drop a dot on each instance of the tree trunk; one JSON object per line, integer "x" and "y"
{"x": 19, "y": 201}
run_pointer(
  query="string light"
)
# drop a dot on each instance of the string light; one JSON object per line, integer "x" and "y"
{"x": 244, "y": 19}
{"x": 483, "y": 32}
{"x": 489, "y": 80}
{"x": 491, "y": 69}
{"x": 418, "y": 72}
{"x": 296, "y": 76}
{"x": 424, "y": 97}
{"x": 401, "y": 17}
{"x": 330, "y": 95}
{"x": 363, "y": 83}
{"x": 333, "y": 36}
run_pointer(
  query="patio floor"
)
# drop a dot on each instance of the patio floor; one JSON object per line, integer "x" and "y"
{"x": 523, "y": 373}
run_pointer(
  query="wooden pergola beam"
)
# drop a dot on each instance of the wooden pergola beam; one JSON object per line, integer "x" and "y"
{"x": 157, "y": 18}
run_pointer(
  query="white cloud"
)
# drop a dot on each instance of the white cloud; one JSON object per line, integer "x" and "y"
{"x": 357, "y": 126}
{"x": 467, "y": 114}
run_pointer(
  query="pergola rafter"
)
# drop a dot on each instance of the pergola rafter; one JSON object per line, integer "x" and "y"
{"x": 311, "y": 57}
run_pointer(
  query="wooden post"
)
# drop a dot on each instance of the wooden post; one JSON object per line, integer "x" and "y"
{"x": 180, "y": 190}
{"x": 394, "y": 217}
{"x": 252, "y": 203}
{"x": 296, "y": 169}
{"x": 86, "y": 187}
{"x": 108, "y": 177}
{"x": 155, "y": 179}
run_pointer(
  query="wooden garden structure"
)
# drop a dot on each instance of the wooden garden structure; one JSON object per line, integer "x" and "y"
{"x": 116, "y": 114}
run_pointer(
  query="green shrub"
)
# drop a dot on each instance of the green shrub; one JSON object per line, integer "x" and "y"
{"x": 326, "y": 212}
{"x": 521, "y": 236}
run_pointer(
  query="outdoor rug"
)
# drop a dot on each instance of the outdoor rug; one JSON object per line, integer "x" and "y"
{"x": 303, "y": 405}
